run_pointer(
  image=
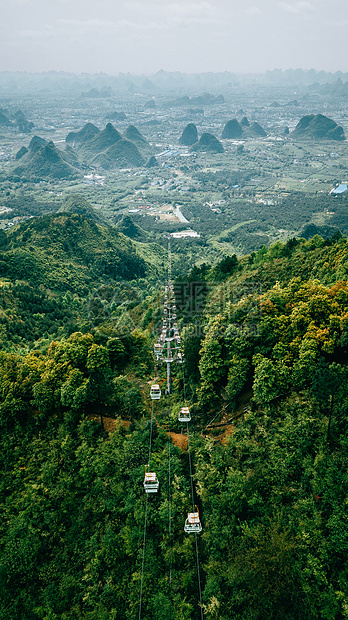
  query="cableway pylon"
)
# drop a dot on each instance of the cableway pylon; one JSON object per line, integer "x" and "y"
{"x": 167, "y": 348}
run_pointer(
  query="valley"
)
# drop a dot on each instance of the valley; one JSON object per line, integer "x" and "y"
{"x": 197, "y": 222}
{"x": 256, "y": 191}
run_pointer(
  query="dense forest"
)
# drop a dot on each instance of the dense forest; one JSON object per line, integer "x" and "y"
{"x": 265, "y": 371}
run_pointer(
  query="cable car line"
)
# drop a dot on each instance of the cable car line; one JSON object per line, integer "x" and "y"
{"x": 199, "y": 580}
{"x": 192, "y": 523}
{"x": 193, "y": 506}
{"x": 169, "y": 514}
{"x": 195, "y": 533}
{"x": 143, "y": 560}
{"x": 167, "y": 349}
{"x": 151, "y": 484}
{"x": 150, "y": 442}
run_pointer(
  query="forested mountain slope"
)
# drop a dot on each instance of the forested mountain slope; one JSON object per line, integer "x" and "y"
{"x": 55, "y": 269}
{"x": 66, "y": 251}
{"x": 266, "y": 348}
{"x": 281, "y": 313}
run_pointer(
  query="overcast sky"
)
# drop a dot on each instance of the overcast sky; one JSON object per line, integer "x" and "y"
{"x": 145, "y": 36}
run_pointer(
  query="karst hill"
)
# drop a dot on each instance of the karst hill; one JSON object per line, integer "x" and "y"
{"x": 317, "y": 127}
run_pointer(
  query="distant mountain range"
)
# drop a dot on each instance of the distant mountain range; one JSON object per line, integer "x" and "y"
{"x": 109, "y": 148}
{"x": 53, "y": 82}
{"x": 89, "y": 146}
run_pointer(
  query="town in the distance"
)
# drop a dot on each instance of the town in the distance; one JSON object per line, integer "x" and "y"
{"x": 233, "y": 161}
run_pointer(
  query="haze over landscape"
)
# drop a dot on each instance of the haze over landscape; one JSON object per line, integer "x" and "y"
{"x": 192, "y": 37}
{"x": 173, "y": 310}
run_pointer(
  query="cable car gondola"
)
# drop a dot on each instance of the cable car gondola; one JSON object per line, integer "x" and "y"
{"x": 155, "y": 392}
{"x": 193, "y": 524}
{"x": 151, "y": 484}
{"x": 157, "y": 350}
{"x": 184, "y": 415}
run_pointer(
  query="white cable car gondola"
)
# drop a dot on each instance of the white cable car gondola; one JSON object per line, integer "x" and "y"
{"x": 184, "y": 415}
{"x": 193, "y": 523}
{"x": 151, "y": 484}
{"x": 155, "y": 392}
{"x": 157, "y": 350}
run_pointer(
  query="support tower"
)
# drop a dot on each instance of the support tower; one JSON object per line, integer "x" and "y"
{"x": 168, "y": 346}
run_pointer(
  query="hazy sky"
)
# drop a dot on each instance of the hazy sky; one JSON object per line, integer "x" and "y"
{"x": 190, "y": 36}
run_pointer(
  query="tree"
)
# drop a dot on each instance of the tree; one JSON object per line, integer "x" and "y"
{"x": 271, "y": 378}
{"x": 99, "y": 380}
{"x": 328, "y": 384}
{"x": 117, "y": 353}
{"x": 17, "y": 380}
{"x": 238, "y": 370}
{"x": 226, "y": 267}
{"x": 212, "y": 365}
